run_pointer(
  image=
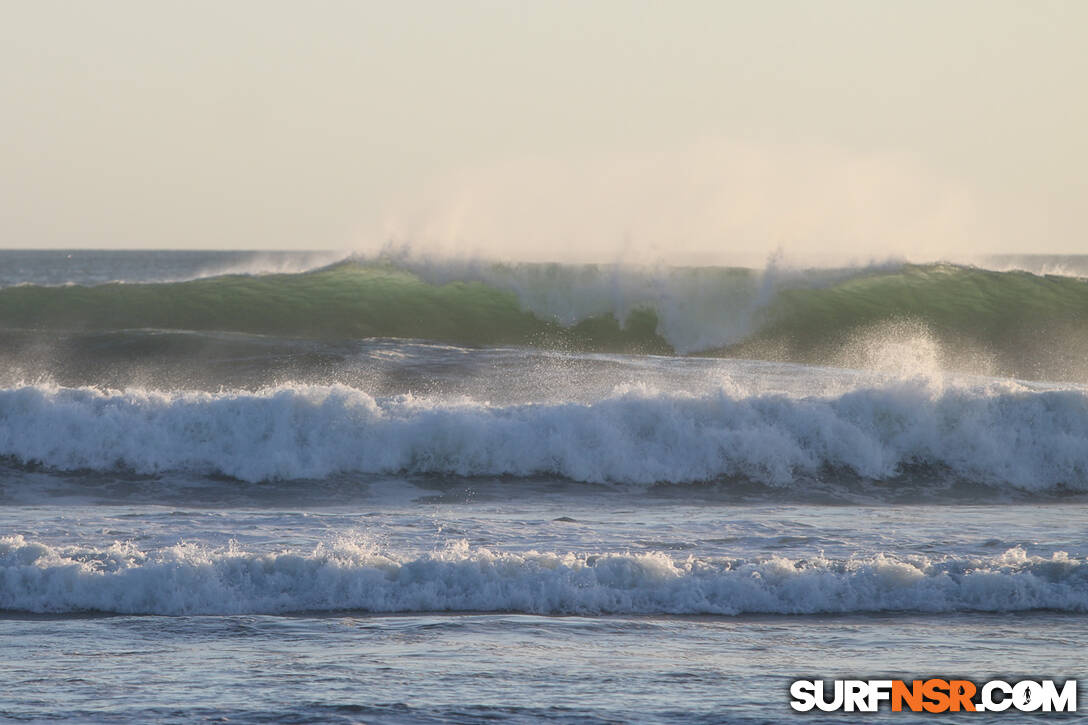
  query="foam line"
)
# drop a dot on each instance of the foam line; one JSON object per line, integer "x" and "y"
{"x": 1000, "y": 434}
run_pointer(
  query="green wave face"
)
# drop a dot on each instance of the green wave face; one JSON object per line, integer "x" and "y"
{"x": 348, "y": 300}
{"x": 1029, "y": 325}
{"x": 1024, "y": 324}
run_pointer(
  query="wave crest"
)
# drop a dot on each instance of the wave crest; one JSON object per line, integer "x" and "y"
{"x": 1026, "y": 325}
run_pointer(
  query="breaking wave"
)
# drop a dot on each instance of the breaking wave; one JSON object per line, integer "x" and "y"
{"x": 353, "y": 574}
{"x": 999, "y": 434}
{"x": 1029, "y": 325}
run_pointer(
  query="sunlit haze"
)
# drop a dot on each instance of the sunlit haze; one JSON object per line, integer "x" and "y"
{"x": 693, "y": 132}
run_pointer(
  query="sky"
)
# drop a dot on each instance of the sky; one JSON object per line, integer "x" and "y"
{"x": 593, "y": 130}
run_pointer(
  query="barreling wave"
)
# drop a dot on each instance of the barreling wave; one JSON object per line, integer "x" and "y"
{"x": 353, "y": 574}
{"x": 1001, "y": 435}
{"x": 1026, "y": 325}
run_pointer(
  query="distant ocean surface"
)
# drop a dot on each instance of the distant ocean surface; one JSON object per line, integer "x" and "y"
{"x": 298, "y": 487}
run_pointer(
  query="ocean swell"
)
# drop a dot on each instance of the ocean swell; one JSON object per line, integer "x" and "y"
{"x": 1026, "y": 325}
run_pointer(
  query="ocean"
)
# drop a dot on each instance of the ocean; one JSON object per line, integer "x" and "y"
{"x": 306, "y": 488}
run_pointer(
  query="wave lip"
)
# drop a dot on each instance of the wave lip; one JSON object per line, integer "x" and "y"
{"x": 348, "y": 300}
{"x": 354, "y": 575}
{"x": 998, "y": 435}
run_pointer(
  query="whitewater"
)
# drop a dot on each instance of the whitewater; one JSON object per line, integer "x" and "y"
{"x": 327, "y": 488}
{"x": 1021, "y": 439}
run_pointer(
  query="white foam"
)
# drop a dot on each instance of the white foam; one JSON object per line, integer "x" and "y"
{"x": 354, "y": 574}
{"x": 1002, "y": 434}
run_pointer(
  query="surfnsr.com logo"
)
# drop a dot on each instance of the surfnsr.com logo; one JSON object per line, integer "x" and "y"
{"x": 934, "y": 695}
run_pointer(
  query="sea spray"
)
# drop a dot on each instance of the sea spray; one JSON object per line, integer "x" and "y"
{"x": 1022, "y": 324}
{"x": 994, "y": 433}
{"x": 354, "y": 574}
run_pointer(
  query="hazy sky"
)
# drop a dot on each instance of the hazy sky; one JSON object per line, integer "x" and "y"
{"x": 549, "y": 129}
